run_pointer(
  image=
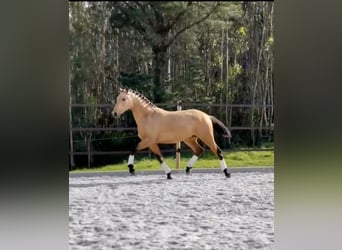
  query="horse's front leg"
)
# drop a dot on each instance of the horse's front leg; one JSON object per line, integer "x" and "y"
{"x": 141, "y": 145}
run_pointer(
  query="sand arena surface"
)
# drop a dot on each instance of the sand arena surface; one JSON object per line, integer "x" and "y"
{"x": 200, "y": 211}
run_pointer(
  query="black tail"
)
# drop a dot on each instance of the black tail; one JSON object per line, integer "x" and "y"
{"x": 220, "y": 128}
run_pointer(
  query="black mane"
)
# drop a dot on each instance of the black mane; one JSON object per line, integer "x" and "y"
{"x": 142, "y": 97}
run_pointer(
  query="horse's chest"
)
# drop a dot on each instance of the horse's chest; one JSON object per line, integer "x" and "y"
{"x": 146, "y": 130}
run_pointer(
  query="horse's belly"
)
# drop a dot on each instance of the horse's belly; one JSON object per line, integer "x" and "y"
{"x": 169, "y": 137}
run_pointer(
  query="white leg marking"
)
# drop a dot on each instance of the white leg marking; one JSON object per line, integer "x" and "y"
{"x": 223, "y": 164}
{"x": 130, "y": 160}
{"x": 165, "y": 167}
{"x": 192, "y": 161}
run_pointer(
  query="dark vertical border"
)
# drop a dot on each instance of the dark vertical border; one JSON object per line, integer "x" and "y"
{"x": 308, "y": 124}
{"x": 34, "y": 68}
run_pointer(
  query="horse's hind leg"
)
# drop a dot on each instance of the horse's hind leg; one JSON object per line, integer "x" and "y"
{"x": 156, "y": 151}
{"x": 210, "y": 142}
{"x": 197, "y": 151}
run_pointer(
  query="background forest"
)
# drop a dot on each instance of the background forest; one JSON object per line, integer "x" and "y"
{"x": 214, "y": 56}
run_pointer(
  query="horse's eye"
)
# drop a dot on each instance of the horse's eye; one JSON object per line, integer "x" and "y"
{"x": 124, "y": 99}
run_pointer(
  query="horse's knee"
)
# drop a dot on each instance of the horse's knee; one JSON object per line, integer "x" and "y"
{"x": 159, "y": 158}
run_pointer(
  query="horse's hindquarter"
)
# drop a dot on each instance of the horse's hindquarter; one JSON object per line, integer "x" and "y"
{"x": 173, "y": 126}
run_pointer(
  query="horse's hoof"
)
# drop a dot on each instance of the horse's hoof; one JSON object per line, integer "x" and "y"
{"x": 225, "y": 171}
{"x": 131, "y": 169}
{"x": 169, "y": 176}
{"x": 187, "y": 170}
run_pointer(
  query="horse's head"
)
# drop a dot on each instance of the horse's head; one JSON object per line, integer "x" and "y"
{"x": 123, "y": 103}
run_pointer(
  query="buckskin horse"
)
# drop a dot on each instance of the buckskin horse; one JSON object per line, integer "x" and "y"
{"x": 158, "y": 126}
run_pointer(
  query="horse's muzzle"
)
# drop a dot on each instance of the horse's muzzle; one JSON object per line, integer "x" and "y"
{"x": 114, "y": 114}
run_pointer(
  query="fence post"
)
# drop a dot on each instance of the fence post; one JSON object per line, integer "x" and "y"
{"x": 89, "y": 142}
{"x": 178, "y": 144}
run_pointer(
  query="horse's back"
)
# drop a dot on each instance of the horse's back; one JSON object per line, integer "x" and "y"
{"x": 187, "y": 114}
{"x": 195, "y": 114}
{"x": 188, "y": 120}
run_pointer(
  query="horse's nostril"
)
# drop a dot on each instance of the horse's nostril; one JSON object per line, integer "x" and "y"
{"x": 115, "y": 114}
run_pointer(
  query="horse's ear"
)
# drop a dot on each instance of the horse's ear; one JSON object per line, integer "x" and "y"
{"x": 123, "y": 90}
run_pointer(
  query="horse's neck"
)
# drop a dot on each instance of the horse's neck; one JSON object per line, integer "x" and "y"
{"x": 140, "y": 112}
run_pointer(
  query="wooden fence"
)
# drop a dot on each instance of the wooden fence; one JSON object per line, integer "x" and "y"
{"x": 89, "y": 152}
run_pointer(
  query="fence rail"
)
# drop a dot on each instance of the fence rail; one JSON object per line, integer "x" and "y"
{"x": 89, "y": 140}
{"x": 119, "y": 129}
{"x": 163, "y": 151}
{"x": 74, "y": 105}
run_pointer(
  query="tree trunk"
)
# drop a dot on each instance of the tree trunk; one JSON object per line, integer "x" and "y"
{"x": 226, "y": 90}
{"x": 159, "y": 61}
{"x": 231, "y": 91}
{"x": 221, "y": 75}
{"x": 221, "y": 68}
{"x": 117, "y": 66}
{"x": 266, "y": 90}
{"x": 271, "y": 69}
{"x": 208, "y": 92}
{"x": 72, "y": 162}
{"x": 253, "y": 99}
{"x": 256, "y": 84}
{"x": 102, "y": 79}
{"x": 168, "y": 77}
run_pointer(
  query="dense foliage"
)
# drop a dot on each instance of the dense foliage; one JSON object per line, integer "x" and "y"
{"x": 197, "y": 52}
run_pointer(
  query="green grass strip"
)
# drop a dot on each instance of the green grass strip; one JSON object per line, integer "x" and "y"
{"x": 207, "y": 160}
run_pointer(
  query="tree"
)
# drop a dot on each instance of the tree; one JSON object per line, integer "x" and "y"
{"x": 157, "y": 23}
{"x": 259, "y": 24}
